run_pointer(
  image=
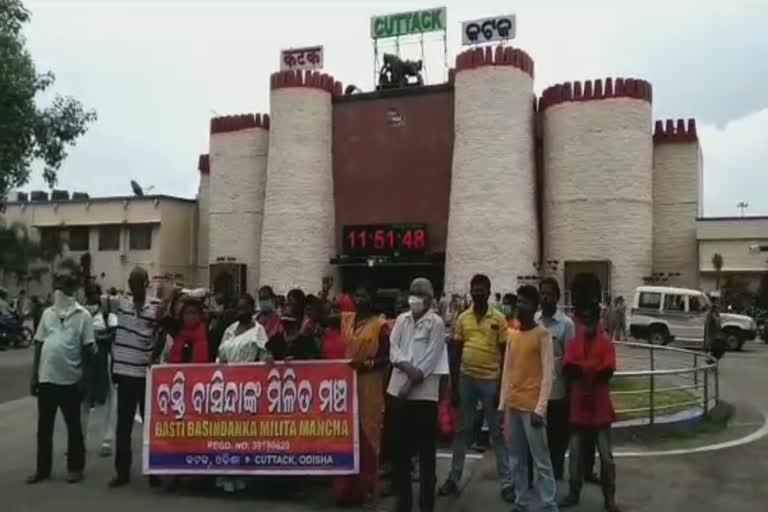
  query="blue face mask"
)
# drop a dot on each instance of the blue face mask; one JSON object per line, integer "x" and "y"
{"x": 266, "y": 305}
{"x": 506, "y": 309}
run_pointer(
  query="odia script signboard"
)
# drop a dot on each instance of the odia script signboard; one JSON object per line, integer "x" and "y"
{"x": 485, "y": 30}
{"x": 285, "y": 419}
{"x": 310, "y": 57}
{"x": 406, "y": 23}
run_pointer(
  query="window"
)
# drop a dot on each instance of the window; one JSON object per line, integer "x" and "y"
{"x": 50, "y": 237}
{"x": 109, "y": 238}
{"x": 78, "y": 238}
{"x": 698, "y": 303}
{"x": 674, "y": 303}
{"x": 694, "y": 305}
{"x": 649, "y": 300}
{"x": 140, "y": 237}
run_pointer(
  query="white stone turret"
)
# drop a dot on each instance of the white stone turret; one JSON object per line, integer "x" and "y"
{"x": 597, "y": 185}
{"x": 203, "y": 198}
{"x": 298, "y": 235}
{"x": 238, "y": 161}
{"x": 492, "y": 224}
{"x": 677, "y": 181}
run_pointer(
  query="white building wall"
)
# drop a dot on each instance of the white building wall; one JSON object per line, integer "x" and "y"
{"x": 238, "y": 162}
{"x": 675, "y": 208}
{"x": 597, "y": 197}
{"x": 492, "y": 226}
{"x": 298, "y": 235}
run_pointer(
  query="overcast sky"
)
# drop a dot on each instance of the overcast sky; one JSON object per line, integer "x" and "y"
{"x": 156, "y": 70}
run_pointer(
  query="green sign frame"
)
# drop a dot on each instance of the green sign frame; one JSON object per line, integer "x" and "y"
{"x": 408, "y": 23}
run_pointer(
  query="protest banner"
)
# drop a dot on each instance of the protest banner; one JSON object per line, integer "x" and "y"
{"x": 297, "y": 418}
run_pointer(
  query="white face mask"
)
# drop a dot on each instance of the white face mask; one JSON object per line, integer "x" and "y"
{"x": 61, "y": 302}
{"x": 416, "y": 304}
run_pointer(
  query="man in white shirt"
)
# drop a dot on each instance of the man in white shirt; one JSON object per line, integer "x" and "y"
{"x": 64, "y": 344}
{"x": 419, "y": 358}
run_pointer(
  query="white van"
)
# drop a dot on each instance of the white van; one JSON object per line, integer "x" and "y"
{"x": 662, "y": 314}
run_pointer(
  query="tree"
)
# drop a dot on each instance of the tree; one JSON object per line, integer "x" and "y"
{"x": 717, "y": 264}
{"x": 736, "y": 293}
{"x": 762, "y": 294}
{"x": 23, "y": 257}
{"x": 29, "y": 132}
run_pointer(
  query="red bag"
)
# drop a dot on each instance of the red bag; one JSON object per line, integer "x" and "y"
{"x": 446, "y": 417}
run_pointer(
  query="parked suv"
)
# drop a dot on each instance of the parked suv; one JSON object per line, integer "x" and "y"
{"x": 662, "y": 315}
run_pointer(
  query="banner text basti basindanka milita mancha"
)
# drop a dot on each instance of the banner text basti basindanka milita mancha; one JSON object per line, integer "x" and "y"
{"x": 298, "y": 418}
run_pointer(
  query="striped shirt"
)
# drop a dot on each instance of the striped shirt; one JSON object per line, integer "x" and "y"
{"x": 132, "y": 348}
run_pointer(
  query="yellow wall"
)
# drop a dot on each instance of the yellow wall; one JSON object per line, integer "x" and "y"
{"x": 173, "y": 235}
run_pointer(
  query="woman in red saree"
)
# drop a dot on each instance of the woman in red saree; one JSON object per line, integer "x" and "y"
{"x": 366, "y": 341}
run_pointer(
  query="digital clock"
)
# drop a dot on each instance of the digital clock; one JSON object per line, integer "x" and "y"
{"x": 384, "y": 239}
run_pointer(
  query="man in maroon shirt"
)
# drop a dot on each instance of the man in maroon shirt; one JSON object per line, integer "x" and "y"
{"x": 589, "y": 363}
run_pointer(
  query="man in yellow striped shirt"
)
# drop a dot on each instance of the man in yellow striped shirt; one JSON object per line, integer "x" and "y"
{"x": 481, "y": 336}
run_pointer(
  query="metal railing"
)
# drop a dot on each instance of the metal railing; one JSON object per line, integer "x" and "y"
{"x": 663, "y": 384}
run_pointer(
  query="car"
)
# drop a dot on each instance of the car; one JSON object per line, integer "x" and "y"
{"x": 662, "y": 315}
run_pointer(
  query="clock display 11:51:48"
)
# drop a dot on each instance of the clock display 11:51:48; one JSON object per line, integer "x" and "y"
{"x": 386, "y": 239}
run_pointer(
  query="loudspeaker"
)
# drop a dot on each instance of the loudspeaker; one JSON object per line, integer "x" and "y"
{"x": 228, "y": 278}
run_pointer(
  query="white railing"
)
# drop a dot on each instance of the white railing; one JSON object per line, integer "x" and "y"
{"x": 669, "y": 384}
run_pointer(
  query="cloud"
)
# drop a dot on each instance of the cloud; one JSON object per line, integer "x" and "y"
{"x": 735, "y": 160}
{"x": 155, "y": 70}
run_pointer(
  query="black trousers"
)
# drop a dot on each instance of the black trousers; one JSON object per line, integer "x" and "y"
{"x": 130, "y": 395}
{"x": 558, "y": 432}
{"x": 416, "y": 434}
{"x": 51, "y": 398}
{"x": 601, "y": 436}
{"x": 588, "y": 443}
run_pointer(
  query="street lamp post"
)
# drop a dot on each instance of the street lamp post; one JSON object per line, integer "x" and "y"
{"x": 742, "y": 205}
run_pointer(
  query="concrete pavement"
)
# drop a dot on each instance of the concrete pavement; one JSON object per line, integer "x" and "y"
{"x": 731, "y": 479}
{"x": 15, "y": 372}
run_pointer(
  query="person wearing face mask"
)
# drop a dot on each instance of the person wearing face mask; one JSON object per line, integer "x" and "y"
{"x": 100, "y": 392}
{"x": 311, "y": 327}
{"x": 366, "y": 341}
{"x": 190, "y": 343}
{"x": 244, "y": 341}
{"x": 590, "y": 361}
{"x": 509, "y": 308}
{"x": 526, "y": 383}
{"x": 299, "y": 329}
{"x": 560, "y": 326}
{"x": 269, "y": 316}
{"x": 479, "y": 340}
{"x": 419, "y": 358}
{"x": 65, "y": 343}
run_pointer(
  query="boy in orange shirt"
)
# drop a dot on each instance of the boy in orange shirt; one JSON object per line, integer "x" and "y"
{"x": 526, "y": 384}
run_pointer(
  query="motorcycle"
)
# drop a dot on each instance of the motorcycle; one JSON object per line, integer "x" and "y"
{"x": 14, "y": 333}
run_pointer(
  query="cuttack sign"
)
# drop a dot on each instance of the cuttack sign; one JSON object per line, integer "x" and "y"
{"x": 407, "y": 23}
{"x": 486, "y": 30}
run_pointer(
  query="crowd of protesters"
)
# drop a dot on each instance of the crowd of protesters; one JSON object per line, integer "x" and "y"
{"x": 536, "y": 377}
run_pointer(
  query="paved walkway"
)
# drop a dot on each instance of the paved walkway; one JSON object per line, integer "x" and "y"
{"x": 732, "y": 479}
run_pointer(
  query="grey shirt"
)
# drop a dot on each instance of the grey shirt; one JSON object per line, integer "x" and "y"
{"x": 560, "y": 326}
